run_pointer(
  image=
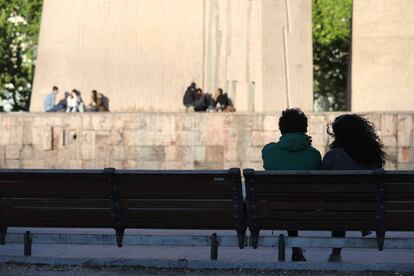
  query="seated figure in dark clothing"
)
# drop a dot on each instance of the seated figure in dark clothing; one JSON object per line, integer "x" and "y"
{"x": 293, "y": 152}
{"x": 190, "y": 96}
{"x": 201, "y": 102}
{"x": 222, "y": 100}
{"x": 356, "y": 147}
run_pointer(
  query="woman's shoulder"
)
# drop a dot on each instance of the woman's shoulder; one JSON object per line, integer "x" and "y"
{"x": 335, "y": 152}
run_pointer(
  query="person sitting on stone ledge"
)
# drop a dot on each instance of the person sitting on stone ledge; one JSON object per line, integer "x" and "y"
{"x": 72, "y": 102}
{"x": 356, "y": 146}
{"x": 190, "y": 97}
{"x": 293, "y": 152}
{"x": 103, "y": 103}
{"x": 63, "y": 102}
{"x": 93, "y": 105}
{"x": 222, "y": 100}
{"x": 49, "y": 102}
{"x": 201, "y": 103}
{"x": 81, "y": 104}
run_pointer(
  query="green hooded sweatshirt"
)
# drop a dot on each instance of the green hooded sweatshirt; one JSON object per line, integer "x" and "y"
{"x": 292, "y": 152}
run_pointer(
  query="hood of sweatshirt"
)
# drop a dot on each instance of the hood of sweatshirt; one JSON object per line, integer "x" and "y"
{"x": 294, "y": 142}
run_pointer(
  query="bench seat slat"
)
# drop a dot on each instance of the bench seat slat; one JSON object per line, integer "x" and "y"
{"x": 314, "y": 188}
{"x": 320, "y": 225}
{"x": 205, "y": 204}
{"x": 174, "y": 195}
{"x": 316, "y": 216}
{"x": 55, "y": 195}
{"x": 57, "y": 212}
{"x": 188, "y": 223}
{"x": 51, "y": 203}
{"x": 317, "y": 197}
{"x": 176, "y": 187}
{"x": 339, "y": 206}
{"x": 59, "y": 222}
{"x": 59, "y": 187}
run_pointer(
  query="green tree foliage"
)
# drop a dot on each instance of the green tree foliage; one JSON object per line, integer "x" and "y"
{"x": 19, "y": 29}
{"x": 331, "y": 46}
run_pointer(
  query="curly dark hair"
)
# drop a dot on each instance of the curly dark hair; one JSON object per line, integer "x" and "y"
{"x": 356, "y": 135}
{"x": 293, "y": 120}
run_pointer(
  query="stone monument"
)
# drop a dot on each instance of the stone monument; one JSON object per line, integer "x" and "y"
{"x": 143, "y": 54}
{"x": 383, "y": 55}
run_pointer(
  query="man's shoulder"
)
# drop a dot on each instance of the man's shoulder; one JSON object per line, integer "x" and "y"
{"x": 269, "y": 147}
{"x": 314, "y": 151}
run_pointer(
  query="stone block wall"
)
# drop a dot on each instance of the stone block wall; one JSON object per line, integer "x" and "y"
{"x": 170, "y": 140}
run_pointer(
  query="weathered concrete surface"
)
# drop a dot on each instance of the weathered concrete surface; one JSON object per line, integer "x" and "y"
{"x": 143, "y": 54}
{"x": 198, "y": 257}
{"x": 382, "y": 55}
{"x": 170, "y": 140}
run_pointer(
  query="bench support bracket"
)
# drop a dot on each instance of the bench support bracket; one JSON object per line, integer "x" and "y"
{"x": 251, "y": 207}
{"x": 27, "y": 244}
{"x": 380, "y": 232}
{"x": 3, "y": 232}
{"x": 282, "y": 248}
{"x": 214, "y": 247}
{"x": 115, "y": 205}
{"x": 238, "y": 207}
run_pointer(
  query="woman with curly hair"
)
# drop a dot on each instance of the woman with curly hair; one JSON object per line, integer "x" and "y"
{"x": 356, "y": 146}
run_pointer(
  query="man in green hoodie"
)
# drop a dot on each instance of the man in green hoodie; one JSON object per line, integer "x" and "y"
{"x": 293, "y": 152}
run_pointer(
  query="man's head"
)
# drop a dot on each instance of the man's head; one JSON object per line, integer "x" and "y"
{"x": 293, "y": 120}
{"x": 55, "y": 90}
{"x": 220, "y": 91}
{"x": 193, "y": 85}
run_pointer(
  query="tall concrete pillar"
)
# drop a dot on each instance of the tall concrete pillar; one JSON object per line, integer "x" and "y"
{"x": 383, "y": 55}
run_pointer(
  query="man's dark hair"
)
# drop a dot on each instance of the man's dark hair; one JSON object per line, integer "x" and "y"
{"x": 220, "y": 91}
{"x": 193, "y": 85}
{"x": 55, "y": 88}
{"x": 293, "y": 120}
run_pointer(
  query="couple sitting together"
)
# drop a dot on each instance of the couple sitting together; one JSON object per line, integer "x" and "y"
{"x": 355, "y": 146}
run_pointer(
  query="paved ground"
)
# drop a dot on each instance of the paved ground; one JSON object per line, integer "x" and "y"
{"x": 30, "y": 270}
{"x": 187, "y": 254}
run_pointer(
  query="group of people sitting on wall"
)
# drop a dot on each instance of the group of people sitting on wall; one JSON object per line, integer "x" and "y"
{"x": 355, "y": 146}
{"x": 73, "y": 102}
{"x": 196, "y": 100}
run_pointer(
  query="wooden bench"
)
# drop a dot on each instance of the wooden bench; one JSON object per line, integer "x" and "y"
{"x": 330, "y": 200}
{"x": 119, "y": 199}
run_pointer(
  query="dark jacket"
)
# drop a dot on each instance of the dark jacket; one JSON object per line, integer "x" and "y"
{"x": 201, "y": 103}
{"x": 223, "y": 100}
{"x": 338, "y": 159}
{"x": 292, "y": 152}
{"x": 189, "y": 96}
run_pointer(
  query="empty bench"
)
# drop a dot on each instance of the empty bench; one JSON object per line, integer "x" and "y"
{"x": 119, "y": 199}
{"x": 330, "y": 200}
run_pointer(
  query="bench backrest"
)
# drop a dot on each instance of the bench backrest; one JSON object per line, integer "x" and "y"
{"x": 122, "y": 199}
{"x": 398, "y": 187}
{"x": 180, "y": 199}
{"x": 311, "y": 201}
{"x": 329, "y": 200}
{"x": 54, "y": 198}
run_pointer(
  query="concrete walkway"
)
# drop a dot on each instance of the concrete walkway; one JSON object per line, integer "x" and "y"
{"x": 198, "y": 257}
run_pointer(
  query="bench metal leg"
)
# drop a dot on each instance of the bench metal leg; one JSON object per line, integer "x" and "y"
{"x": 214, "y": 247}
{"x": 27, "y": 244}
{"x": 282, "y": 248}
{"x": 3, "y": 232}
{"x": 119, "y": 236}
{"x": 380, "y": 239}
